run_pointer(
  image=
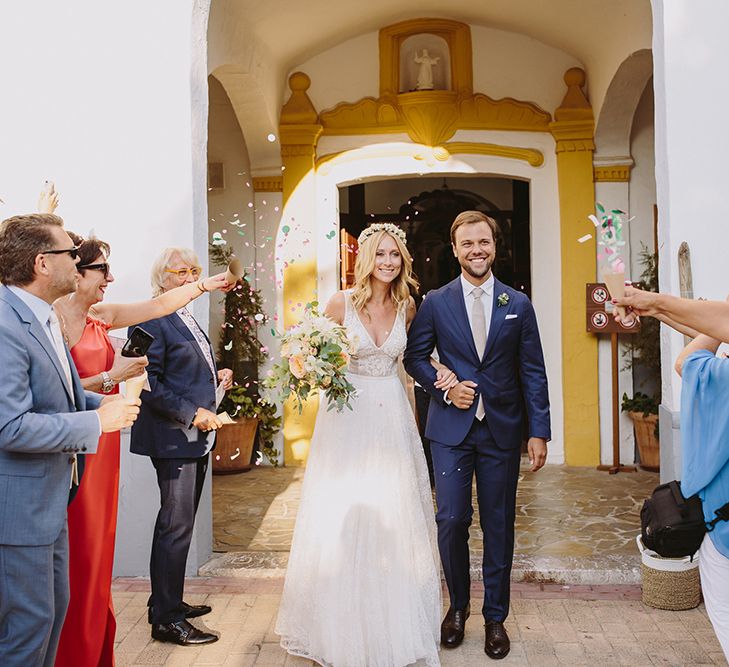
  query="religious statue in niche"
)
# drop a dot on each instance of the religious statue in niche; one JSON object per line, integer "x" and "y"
{"x": 425, "y": 64}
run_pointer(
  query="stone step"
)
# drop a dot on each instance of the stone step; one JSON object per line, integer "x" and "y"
{"x": 577, "y": 570}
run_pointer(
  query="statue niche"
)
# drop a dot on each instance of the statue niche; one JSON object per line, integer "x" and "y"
{"x": 425, "y": 63}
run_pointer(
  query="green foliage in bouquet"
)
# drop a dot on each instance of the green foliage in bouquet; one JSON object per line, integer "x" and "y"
{"x": 314, "y": 356}
{"x": 240, "y": 350}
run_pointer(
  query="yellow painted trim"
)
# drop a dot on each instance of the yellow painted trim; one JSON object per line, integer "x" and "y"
{"x": 268, "y": 184}
{"x": 533, "y": 156}
{"x": 430, "y": 117}
{"x": 442, "y": 153}
{"x": 573, "y": 133}
{"x": 618, "y": 173}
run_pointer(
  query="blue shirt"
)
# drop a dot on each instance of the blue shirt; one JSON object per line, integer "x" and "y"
{"x": 705, "y": 437}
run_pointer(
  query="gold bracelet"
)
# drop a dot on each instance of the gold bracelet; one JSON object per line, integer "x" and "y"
{"x": 201, "y": 285}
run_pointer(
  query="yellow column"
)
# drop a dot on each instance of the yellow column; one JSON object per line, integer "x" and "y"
{"x": 299, "y": 131}
{"x": 573, "y": 130}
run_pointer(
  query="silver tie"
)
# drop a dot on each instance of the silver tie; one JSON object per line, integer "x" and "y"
{"x": 478, "y": 325}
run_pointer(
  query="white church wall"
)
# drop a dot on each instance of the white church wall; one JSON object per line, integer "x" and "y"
{"x": 122, "y": 132}
{"x": 230, "y": 210}
{"x": 690, "y": 50}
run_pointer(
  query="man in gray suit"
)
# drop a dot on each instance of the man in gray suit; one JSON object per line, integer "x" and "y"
{"x": 45, "y": 418}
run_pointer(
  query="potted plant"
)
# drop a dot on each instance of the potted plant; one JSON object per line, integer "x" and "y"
{"x": 240, "y": 350}
{"x": 644, "y": 356}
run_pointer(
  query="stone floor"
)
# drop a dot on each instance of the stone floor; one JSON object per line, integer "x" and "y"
{"x": 549, "y": 624}
{"x": 574, "y": 525}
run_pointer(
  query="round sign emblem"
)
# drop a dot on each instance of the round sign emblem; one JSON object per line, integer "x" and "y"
{"x": 599, "y": 320}
{"x": 599, "y": 295}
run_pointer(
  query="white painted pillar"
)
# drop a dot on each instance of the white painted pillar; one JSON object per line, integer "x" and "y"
{"x": 690, "y": 52}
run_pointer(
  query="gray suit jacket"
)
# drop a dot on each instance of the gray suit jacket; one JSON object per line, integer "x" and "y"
{"x": 41, "y": 426}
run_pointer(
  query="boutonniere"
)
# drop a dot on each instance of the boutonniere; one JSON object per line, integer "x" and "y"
{"x": 502, "y": 299}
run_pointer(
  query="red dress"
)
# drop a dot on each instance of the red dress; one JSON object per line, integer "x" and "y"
{"x": 87, "y": 638}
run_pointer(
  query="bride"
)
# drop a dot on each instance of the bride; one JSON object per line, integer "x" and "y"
{"x": 363, "y": 581}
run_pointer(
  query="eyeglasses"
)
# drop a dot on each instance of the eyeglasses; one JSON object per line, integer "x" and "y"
{"x": 195, "y": 272}
{"x": 71, "y": 251}
{"x": 104, "y": 268}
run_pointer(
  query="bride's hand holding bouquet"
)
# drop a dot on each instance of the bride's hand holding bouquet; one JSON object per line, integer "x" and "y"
{"x": 314, "y": 356}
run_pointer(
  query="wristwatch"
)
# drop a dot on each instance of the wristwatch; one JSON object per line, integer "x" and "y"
{"x": 107, "y": 384}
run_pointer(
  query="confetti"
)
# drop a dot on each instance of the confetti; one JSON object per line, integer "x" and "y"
{"x": 584, "y": 238}
{"x": 218, "y": 239}
{"x": 229, "y": 346}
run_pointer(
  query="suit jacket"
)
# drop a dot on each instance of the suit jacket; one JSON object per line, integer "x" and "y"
{"x": 181, "y": 382}
{"x": 511, "y": 369}
{"x": 41, "y": 425}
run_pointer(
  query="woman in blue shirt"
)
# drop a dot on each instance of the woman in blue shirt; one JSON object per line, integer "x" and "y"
{"x": 704, "y": 430}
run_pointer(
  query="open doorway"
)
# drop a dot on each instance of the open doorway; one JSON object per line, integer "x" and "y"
{"x": 425, "y": 208}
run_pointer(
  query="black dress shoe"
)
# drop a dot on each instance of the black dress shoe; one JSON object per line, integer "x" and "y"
{"x": 195, "y": 610}
{"x": 182, "y": 633}
{"x": 497, "y": 644}
{"x": 190, "y": 610}
{"x": 453, "y": 626}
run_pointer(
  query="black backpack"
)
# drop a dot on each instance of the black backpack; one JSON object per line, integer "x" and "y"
{"x": 674, "y": 526}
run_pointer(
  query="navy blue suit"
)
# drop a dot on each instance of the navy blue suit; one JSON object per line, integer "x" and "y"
{"x": 510, "y": 376}
{"x": 181, "y": 381}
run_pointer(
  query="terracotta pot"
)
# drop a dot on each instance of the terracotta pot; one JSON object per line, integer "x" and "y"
{"x": 234, "y": 446}
{"x": 645, "y": 436}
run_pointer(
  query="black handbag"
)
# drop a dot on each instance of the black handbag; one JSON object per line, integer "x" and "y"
{"x": 674, "y": 526}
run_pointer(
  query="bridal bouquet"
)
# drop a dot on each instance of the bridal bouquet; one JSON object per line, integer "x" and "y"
{"x": 314, "y": 355}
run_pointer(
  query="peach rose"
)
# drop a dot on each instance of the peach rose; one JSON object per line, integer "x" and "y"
{"x": 296, "y": 365}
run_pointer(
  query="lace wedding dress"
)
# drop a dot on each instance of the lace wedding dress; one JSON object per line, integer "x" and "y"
{"x": 363, "y": 581}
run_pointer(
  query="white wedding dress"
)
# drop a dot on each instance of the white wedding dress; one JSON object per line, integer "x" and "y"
{"x": 363, "y": 581}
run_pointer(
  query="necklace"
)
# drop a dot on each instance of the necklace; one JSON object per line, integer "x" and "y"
{"x": 64, "y": 333}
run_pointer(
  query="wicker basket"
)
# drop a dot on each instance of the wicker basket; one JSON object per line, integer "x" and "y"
{"x": 669, "y": 583}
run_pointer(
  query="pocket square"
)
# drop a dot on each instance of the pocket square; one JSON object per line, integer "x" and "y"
{"x": 511, "y": 316}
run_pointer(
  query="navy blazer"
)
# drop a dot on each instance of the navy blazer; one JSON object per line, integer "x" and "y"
{"x": 41, "y": 425}
{"x": 512, "y": 366}
{"x": 181, "y": 382}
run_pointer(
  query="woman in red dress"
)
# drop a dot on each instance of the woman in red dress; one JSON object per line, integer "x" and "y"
{"x": 87, "y": 638}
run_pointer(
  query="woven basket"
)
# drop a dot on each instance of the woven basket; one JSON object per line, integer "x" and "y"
{"x": 674, "y": 591}
{"x": 669, "y": 583}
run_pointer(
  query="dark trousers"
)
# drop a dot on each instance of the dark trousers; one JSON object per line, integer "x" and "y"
{"x": 34, "y": 596}
{"x": 180, "y": 486}
{"x": 497, "y": 473}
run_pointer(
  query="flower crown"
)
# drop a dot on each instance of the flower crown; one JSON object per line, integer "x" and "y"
{"x": 388, "y": 227}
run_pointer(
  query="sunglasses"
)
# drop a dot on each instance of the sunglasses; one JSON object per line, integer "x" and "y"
{"x": 71, "y": 251}
{"x": 183, "y": 273}
{"x": 104, "y": 268}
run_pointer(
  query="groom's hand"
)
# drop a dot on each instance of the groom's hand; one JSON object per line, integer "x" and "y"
{"x": 462, "y": 394}
{"x": 537, "y": 448}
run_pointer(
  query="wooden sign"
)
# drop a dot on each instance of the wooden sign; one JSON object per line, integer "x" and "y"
{"x": 600, "y": 316}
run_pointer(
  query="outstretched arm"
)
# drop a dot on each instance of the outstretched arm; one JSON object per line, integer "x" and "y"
{"x": 707, "y": 317}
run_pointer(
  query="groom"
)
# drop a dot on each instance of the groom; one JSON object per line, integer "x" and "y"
{"x": 487, "y": 334}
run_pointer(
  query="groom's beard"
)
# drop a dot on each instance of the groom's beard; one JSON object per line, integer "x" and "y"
{"x": 477, "y": 273}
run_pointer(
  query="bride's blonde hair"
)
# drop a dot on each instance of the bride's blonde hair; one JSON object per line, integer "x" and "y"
{"x": 364, "y": 265}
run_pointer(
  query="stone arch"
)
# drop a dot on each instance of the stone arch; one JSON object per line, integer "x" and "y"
{"x": 614, "y": 124}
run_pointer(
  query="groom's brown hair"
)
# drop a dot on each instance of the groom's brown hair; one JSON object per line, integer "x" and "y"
{"x": 471, "y": 218}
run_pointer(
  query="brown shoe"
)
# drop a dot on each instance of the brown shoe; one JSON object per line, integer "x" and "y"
{"x": 453, "y": 627}
{"x": 497, "y": 644}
